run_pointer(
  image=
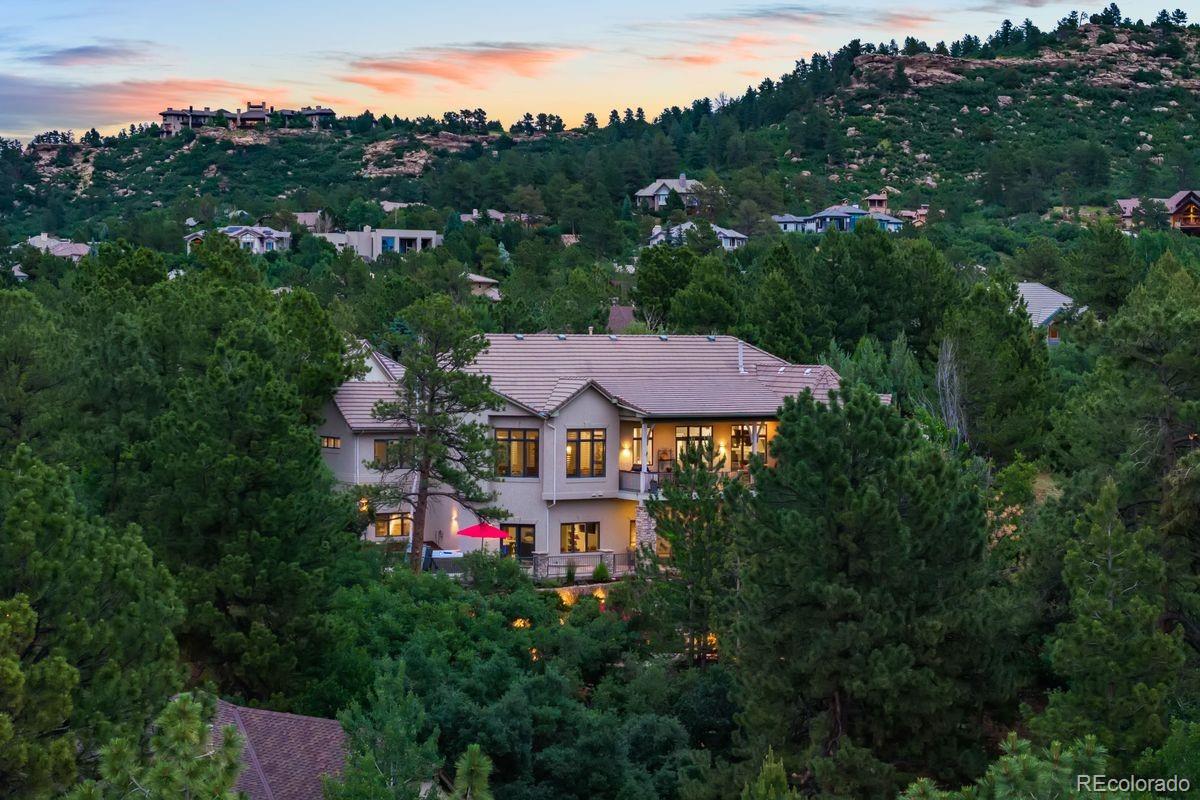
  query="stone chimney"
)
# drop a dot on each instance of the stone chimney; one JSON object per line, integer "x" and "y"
{"x": 741, "y": 357}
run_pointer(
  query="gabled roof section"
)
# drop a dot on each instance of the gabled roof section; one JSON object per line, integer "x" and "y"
{"x": 1042, "y": 302}
{"x": 356, "y": 401}
{"x": 649, "y": 375}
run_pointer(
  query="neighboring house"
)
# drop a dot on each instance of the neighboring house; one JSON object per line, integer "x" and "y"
{"x": 19, "y": 275}
{"x": 498, "y": 217}
{"x": 314, "y": 221}
{"x": 1183, "y": 207}
{"x": 1045, "y": 307}
{"x": 789, "y": 223}
{"x": 370, "y": 243}
{"x": 283, "y": 755}
{"x": 61, "y": 248}
{"x": 588, "y": 428}
{"x": 842, "y": 217}
{"x": 389, "y": 206}
{"x": 257, "y": 239}
{"x": 677, "y": 234}
{"x": 655, "y": 196}
{"x": 915, "y": 218}
{"x": 483, "y": 286}
{"x": 877, "y": 202}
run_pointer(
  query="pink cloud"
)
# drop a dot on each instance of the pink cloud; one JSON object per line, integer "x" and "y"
{"x": 740, "y": 47}
{"x": 33, "y": 103}
{"x": 463, "y": 66}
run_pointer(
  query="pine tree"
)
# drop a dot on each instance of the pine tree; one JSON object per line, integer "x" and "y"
{"x": 1001, "y": 366}
{"x": 869, "y": 543}
{"x": 1118, "y": 667}
{"x": 448, "y": 456}
{"x": 37, "y": 747}
{"x": 771, "y": 783}
{"x": 183, "y": 761}
{"x": 390, "y": 751}
{"x": 471, "y": 773}
{"x": 102, "y": 605}
{"x": 1024, "y": 771}
{"x": 687, "y": 590}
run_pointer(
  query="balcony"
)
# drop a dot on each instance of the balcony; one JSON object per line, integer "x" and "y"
{"x": 630, "y": 480}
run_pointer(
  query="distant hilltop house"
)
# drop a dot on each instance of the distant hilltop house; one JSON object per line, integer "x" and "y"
{"x": 677, "y": 234}
{"x": 175, "y": 120}
{"x": 258, "y": 239}
{"x": 370, "y": 243}
{"x": 314, "y": 221}
{"x": 1183, "y": 207}
{"x": 61, "y": 248}
{"x": 841, "y": 217}
{"x": 1045, "y": 307}
{"x": 655, "y": 196}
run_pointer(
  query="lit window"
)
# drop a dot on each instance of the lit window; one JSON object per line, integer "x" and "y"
{"x": 391, "y": 524}
{"x": 586, "y": 452}
{"x": 580, "y": 537}
{"x": 691, "y": 436}
{"x": 741, "y": 444}
{"x": 637, "y": 446}
{"x": 331, "y": 442}
{"x": 517, "y": 453}
{"x": 389, "y": 453}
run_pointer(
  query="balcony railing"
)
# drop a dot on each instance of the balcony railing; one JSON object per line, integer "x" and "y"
{"x": 630, "y": 480}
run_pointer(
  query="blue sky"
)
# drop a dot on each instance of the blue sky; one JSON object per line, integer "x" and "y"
{"x": 79, "y": 63}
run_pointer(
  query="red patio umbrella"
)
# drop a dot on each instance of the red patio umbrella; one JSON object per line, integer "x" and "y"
{"x": 483, "y": 531}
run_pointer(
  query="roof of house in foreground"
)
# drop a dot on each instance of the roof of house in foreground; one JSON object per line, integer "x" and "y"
{"x": 283, "y": 755}
{"x": 650, "y": 375}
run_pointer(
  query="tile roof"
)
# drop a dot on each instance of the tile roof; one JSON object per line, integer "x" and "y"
{"x": 651, "y": 375}
{"x": 660, "y": 376}
{"x": 355, "y": 401}
{"x": 283, "y": 755}
{"x": 1042, "y": 302}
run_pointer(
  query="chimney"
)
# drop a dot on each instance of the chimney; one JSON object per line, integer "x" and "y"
{"x": 741, "y": 357}
{"x": 683, "y": 180}
{"x": 189, "y": 109}
{"x": 591, "y": 330}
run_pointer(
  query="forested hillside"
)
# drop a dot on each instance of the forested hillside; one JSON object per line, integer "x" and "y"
{"x": 975, "y": 565}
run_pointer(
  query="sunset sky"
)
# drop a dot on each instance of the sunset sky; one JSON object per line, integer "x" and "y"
{"x": 106, "y": 63}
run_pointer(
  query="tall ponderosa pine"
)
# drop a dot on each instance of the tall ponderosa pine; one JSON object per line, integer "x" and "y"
{"x": 198, "y": 407}
{"x": 448, "y": 454}
{"x": 866, "y": 646}
{"x": 102, "y": 604}
{"x": 687, "y": 590}
{"x": 1118, "y": 667}
{"x": 1001, "y": 368}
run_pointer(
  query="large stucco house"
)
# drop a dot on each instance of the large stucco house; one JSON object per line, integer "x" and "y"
{"x": 589, "y": 428}
{"x": 842, "y": 217}
{"x": 370, "y": 243}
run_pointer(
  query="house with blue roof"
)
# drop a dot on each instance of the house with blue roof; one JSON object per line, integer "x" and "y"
{"x": 842, "y": 217}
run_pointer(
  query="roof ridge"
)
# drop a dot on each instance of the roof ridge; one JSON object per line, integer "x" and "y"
{"x": 251, "y": 754}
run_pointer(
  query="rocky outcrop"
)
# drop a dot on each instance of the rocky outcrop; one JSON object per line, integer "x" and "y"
{"x": 1120, "y": 64}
